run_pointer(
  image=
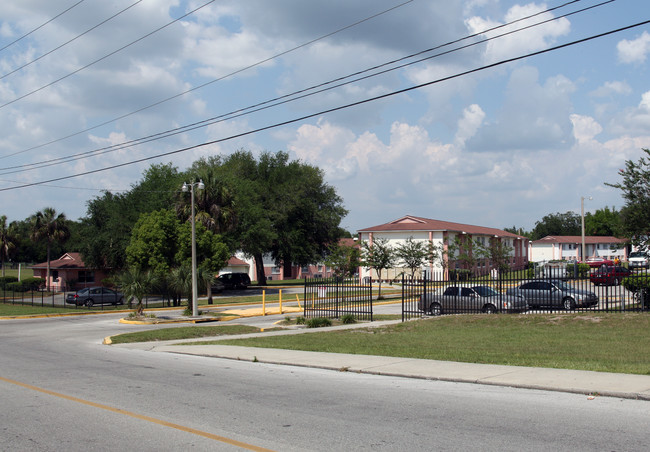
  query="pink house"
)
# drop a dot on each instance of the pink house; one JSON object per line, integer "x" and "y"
{"x": 69, "y": 272}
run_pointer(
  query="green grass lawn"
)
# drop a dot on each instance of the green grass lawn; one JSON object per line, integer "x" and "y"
{"x": 8, "y": 310}
{"x": 598, "y": 342}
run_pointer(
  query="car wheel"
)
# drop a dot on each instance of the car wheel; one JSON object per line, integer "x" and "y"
{"x": 435, "y": 309}
{"x": 569, "y": 304}
{"x": 121, "y": 301}
{"x": 89, "y": 303}
{"x": 490, "y": 309}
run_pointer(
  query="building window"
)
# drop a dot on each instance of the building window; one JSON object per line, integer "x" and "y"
{"x": 275, "y": 270}
{"x": 86, "y": 276}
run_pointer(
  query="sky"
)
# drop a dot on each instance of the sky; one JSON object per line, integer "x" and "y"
{"x": 485, "y": 129}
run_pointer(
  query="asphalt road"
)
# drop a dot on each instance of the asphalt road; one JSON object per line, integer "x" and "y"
{"x": 63, "y": 390}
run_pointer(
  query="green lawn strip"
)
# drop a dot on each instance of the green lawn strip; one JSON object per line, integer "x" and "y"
{"x": 598, "y": 342}
{"x": 7, "y": 310}
{"x": 185, "y": 332}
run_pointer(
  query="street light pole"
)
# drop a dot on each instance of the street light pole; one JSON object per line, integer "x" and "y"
{"x": 582, "y": 218}
{"x": 199, "y": 185}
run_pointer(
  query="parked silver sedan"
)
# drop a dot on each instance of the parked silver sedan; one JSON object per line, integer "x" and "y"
{"x": 471, "y": 300}
{"x": 91, "y": 296}
{"x": 554, "y": 294}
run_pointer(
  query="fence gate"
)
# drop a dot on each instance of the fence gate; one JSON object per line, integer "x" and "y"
{"x": 336, "y": 297}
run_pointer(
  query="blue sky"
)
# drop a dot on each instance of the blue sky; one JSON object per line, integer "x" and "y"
{"x": 499, "y": 147}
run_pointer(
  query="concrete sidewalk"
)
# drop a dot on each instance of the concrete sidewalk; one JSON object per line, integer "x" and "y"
{"x": 561, "y": 380}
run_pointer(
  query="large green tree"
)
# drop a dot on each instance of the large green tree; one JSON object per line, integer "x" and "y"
{"x": 635, "y": 188}
{"x": 273, "y": 206}
{"x": 49, "y": 227}
{"x": 154, "y": 242}
{"x": 568, "y": 223}
{"x": 106, "y": 228}
{"x": 603, "y": 222}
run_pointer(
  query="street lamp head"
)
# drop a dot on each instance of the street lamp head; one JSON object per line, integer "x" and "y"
{"x": 184, "y": 188}
{"x": 200, "y": 185}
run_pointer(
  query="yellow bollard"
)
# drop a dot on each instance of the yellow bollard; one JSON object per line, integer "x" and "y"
{"x": 264, "y": 302}
{"x": 280, "y": 301}
{"x": 298, "y": 300}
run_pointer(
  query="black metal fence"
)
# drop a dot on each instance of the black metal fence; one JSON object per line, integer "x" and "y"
{"x": 336, "y": 297}
{"x": 531, "y": 290}
{"x": 52, "y": 299}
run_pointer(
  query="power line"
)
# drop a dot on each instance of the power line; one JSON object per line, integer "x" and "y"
{"x": 105, "y": 56}
{"x": 342, "y": 107}
{"x": 69, "y": 41}
{"x": 40, "y": 26}
{"x": 288, "y": 98}
{"x": 214, "y": 80}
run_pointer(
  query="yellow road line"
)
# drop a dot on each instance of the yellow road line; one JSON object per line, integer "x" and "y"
{"x": 223, "y": 439}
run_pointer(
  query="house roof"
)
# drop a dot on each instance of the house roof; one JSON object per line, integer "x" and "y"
{"x": 352, "y": 243}
{"x": 591, "y": 239}
{"x": 68, "y": 260}
{"x": 411, "y": 223}
{"x": 236, "y": 262}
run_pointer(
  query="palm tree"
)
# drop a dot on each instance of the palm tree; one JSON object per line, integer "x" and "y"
{"x": 135, "y": 284}
{"x": 180, "y": 280}
{"x": 214, "y": 204}
{"x": 50, "y": 227}
{"x": 6, "y": 242}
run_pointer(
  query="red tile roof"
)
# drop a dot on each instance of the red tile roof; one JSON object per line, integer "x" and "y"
{"x": 236, "y": 261}
{"x": 68, "y": 260}
{"x": 411, "y": 223}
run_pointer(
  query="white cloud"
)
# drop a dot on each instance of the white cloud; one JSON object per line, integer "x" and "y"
{"x": 535, "y": 38}
{"x": 612, "y": 88}
{"x": 634, "y": 51}
{"x": 585, "y": 128}
{"x": 472, "y": 119}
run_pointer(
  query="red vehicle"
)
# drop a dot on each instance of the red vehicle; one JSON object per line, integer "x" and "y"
{"x": 595, "y": 262}
{"x": 609, "y": 275}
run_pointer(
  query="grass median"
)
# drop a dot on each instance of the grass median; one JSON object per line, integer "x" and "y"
{"x": 598, "y": 342}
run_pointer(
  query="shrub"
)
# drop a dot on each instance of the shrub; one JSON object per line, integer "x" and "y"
{"x": 318, "y": 322}
{"x": 348, "y": 319}
{"x": 639, "y": 285}
{"x": 4, "y": 280}
{"x": 32, "y": 283}
{"x": 300, "y": 320}
{"x": 16, "y": 287}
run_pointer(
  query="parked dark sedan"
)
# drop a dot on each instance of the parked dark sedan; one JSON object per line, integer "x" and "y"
{"x": 609, "y": 275}
{"x": 554, "y": 294}
{"x": 91, "y": 296}
{"x": 471, "y": 300}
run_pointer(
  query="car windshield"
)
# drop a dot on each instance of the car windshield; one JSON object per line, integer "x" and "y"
{"x": 485, "y": 291}
{"x": 637, "y": 254}
{"x": 83, "y": 291}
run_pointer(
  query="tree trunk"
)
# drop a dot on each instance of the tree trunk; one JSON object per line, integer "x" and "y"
{"x": 259, "y": 269}
{"x": 47, "y": 275}
{"x": 286, "y": 270}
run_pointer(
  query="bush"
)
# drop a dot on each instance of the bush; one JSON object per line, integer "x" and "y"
{"x": 348, "y": 319}
{"x": 4, "y": 280}
{"x": 639, "y": 285}
{"x": 300, "y": 320}
{"x": 318, "y": 322}
{"x": 32, "y": 283}
{"x": 16, "y": 287}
